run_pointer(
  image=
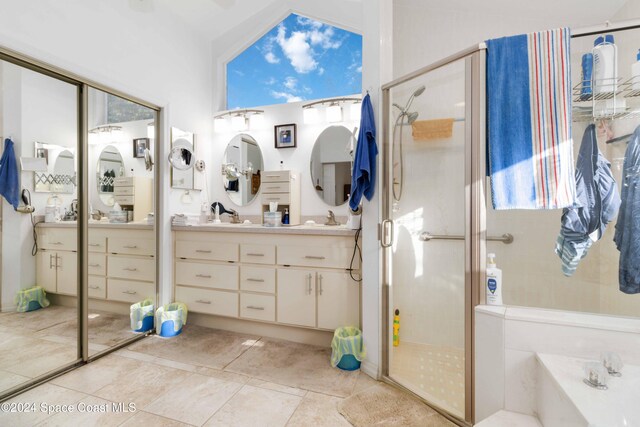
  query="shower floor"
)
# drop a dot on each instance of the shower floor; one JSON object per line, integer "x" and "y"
{"x": 435, "y": 373}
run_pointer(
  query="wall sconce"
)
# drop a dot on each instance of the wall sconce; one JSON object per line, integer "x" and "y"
{"x": 334, "y": 112}
{"x": 105, "y": 134}
{"x": 240, "y": 120}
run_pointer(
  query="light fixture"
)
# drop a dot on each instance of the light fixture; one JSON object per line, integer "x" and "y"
{"x": 241, "y": 120}
{"x": 151, "y": 130}
{"x": 105, "y": 134}
{"x": 334, "y": 112}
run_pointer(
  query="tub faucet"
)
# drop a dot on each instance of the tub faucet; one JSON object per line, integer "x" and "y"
{"x": 331, "y": 219}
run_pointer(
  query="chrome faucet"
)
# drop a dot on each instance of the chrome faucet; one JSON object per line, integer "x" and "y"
{"x": 331, "y": 219}
{"x": 235, "y": 217}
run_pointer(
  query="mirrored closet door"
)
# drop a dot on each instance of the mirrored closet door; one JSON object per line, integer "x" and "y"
{"x": 39, "y": 121}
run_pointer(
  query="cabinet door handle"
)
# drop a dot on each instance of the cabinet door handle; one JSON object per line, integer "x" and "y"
{"x": 255, "y": 280}
{"x": 204, "y": 276}
{"x": 254, "y": 254}
{"x": 314, "y": 257}
{"x": 201, "y": 301}
{"x": 273, "y": 198}
{"x": 94, "y": 265}
{"x": 129, "y": 292}
{"x": 130, "y": 246}
{"x": 309, "y": 289}
{"x": 320, "y": 284}
{"x": 94, "y": 245}
{"x": 56, "y": 243}
{"x": 58, "y": 259}
{"x": 51, "y": 266}
{"x": 253, "y": 307}
{"x": 202, "y": 251}
{"x": 94, "y": 287}
{"x": 130, "y": 269}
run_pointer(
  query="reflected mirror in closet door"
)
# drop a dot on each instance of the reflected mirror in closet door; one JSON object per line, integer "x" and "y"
{"x": 121, "y": 258}
{"x": 242, "y": 167}
{"x": 331, "y": 164}
{"x": 38, "y": 323}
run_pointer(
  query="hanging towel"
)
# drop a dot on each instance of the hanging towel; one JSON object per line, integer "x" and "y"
{"x": 627, "y": 236}
{"x": 9, "y": 179}
{"x": 424, "y": 130}
{"x": 529, "y": 121}
{"x": 597, "y": 203}
{"x": 363, "y": 177}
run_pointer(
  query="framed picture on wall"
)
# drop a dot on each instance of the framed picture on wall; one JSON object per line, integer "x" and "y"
{"x": 285, "y": 136}
{"x": 139, "y": 145}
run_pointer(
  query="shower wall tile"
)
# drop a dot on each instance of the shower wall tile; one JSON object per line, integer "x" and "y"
{"x": 489, "y": 360}
{"x": 520, "y": 370}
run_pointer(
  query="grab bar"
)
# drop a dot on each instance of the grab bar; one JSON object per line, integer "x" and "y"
{"x": 425, "y": 236}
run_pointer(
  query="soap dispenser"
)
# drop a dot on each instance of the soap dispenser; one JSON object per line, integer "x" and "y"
{"x": 494, "y": 282}
{"x": 285, "y": 217}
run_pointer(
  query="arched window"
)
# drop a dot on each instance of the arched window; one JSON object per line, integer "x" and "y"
{"x": 299, "y": 59}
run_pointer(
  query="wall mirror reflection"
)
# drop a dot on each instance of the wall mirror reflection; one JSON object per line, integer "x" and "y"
{"x": 331, "y": 164}
{"x": 242, "y": 165}
{"x": 110, "y": 166}
{"x": 182, "y": 158}
{"x": 38, "y": 324}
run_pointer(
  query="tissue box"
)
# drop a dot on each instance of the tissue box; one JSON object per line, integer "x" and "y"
{"x": 272, "y": 219}
{"x": 118, "y": 217}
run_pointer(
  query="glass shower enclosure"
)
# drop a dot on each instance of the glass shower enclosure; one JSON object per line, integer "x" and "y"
{"x": 433, "y": 168}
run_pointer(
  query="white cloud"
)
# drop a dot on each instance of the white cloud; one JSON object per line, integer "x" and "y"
{"x": 324, "y": 38}
{"x": 320, "y": 71}
{"x": 291, "y": 83}
{"x": 270, "y": 81}
{"x": 307, "y": 22}
{"x": 297, "y": 50}
{"x": 271, "y": 58}
{"x": 359, "y": 69}
{"x": 284, "y": 95}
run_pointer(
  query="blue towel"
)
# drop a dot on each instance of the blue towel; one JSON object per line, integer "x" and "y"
{"x": 627, "y": 236}
{"x": 530, "y": 150}
{"x": 363, "y": 177}
{"x": 9, "y": 179}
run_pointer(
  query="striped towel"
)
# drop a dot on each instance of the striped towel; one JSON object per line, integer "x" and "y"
{"x": 530, "y": 148}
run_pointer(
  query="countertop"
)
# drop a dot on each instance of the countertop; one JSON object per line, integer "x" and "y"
{"x": 312, "y": 230}
{"x": 98, "y": 224}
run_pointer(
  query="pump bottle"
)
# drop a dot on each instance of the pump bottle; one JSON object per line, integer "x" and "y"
{"x": 494, "y": 282}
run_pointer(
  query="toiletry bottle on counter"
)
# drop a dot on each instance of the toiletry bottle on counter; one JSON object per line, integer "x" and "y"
{"x": 285, "y": 217}
{"x": 494, "y": 282}
{"x": 605, "y": 65}
{"x": 635, "y": 73}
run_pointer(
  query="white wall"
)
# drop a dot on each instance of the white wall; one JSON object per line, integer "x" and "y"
{"x": 150, "y": 55}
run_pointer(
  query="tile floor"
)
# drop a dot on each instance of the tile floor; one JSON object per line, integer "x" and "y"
{"x": 204, "y": 377}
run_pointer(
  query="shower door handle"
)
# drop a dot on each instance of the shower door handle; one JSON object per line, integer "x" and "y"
{"x": 386, "y": 239}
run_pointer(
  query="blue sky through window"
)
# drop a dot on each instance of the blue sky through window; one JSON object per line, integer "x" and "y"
{"x": 300, "y": 59}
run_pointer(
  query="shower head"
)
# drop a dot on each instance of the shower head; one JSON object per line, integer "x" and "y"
{"x": 415, "y": 93}
{"x": 411, "y": 117}
{"x": 419, "y": 91}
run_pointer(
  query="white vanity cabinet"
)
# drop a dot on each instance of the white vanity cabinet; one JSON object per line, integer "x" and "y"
{"x": 268, "y": 276}
{"x": 121, "y": 261}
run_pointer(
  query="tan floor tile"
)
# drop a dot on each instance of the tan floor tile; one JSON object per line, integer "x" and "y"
{"x": 194, "y": 400}
{"x": 9, "y": 380}
{"x": 363, "y": 382}
{"x": 253, "y": 406}
{"x": 46, "y": 394}
{"x": 142, "y": 418}
{"x": 143, "y": 385}
{"x": 318, "y": 410}
{"x": 222, "y": 375}
{"x": 277, "y": 387}
{"x": 90, "y": 411}
{"x": 95, "y": 375}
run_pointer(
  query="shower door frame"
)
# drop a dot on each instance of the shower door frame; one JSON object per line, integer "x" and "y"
{"x": 475, "y": 212}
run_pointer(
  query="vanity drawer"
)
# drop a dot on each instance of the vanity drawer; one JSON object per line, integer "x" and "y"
{"x": 276, "y": 187}
{"x": 132, "y": 268}
{"x": 281, "y": 198}
{"x": 123, "y": 191}
{"x": 276, "y": 176}
{"x": 97, "y": 287}
{"x": 313, "y": 256}
{"x": 258, "y": 254}
{"x": 97, "y": 244}
{"x": 121, "y": 180}
{"x": 129, "y": 291}
{"x": 97, "y": 264}
{"x": 210, "y": 251}
{"x": 60, "y": 240}
{"x": 207, "y": 275}
{"x": 259, "y": 307}
{"x": 132, "y": 246}
{"x": 258, "y": 279}
{"x": 124, "y": 200}
{"x": 208, "y": 301}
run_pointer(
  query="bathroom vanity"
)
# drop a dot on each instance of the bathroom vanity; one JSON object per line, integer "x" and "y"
{"x": 121, "y": 260}
{"x": 295, "y": 276}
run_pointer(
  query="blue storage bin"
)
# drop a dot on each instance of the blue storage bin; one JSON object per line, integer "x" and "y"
{"x": 141, "y": 315}
{"x": 348, "y": 362}
{"x": 170, "y": 319}
{"x": 347, "y": 348}
{"x": 168, "y": 329}
{"x": 33, "y": 305}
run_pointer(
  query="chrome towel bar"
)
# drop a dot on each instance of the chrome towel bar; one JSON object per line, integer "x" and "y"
{"x": 425, "y": 236}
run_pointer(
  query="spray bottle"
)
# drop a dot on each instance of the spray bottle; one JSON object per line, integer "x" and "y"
{"x": 396, "y": 328}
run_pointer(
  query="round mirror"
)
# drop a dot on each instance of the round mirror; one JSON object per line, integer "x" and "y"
{"x": 330, "y": 164}
{"x": 64, "y": 170}
{"x": 241, "y": 168}
{"x": 181, "y": 156}
{"x": 110, "y": 166}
